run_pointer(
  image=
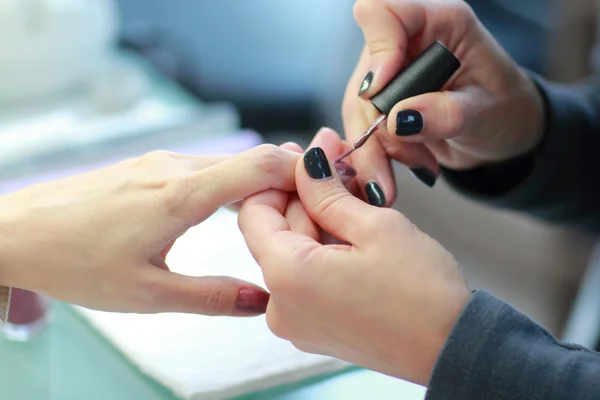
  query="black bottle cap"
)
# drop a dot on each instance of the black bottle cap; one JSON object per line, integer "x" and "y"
{"x": 428, "y": 73}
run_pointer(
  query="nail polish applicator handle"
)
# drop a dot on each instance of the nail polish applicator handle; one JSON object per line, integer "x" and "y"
{"x": 429, "y": 72}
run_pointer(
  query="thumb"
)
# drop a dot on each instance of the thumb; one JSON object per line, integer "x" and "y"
{"x": 386, "y": 39}
{"x": 328, "y": 202}
{"x": 433, "y": 116}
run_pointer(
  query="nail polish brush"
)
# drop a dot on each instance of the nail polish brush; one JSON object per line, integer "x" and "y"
{"x": 429, "y": 72}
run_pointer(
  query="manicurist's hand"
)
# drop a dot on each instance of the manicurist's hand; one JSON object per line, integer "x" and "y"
{"x": 384, "y": 295}
{"x": 490, "y": 111}
{"x": 100, "y": 239}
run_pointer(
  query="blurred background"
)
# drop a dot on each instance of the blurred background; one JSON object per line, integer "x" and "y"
{"x": 84, "y": 79}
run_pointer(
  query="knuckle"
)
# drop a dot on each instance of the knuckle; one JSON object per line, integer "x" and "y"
{"x": 216, "y": 301}
{"x": 464, "y": 11}
{"x": 455, "y": 117}
{"x": 456, "y": 13}
{"x": 170, "y": 197}
{"x": 332, "y": 202}
{"x": 156, "y": 156}
{"x": 464, "y": 17}
{"x": 381, "y": 46}
{"x": 363, "y": 9}
{"x": 269, "y": 159}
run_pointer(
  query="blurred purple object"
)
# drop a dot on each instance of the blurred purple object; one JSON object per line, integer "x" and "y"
{"x": 229, "y": 145}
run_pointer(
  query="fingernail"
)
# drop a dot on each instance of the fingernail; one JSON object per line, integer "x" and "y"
{"x": 316, "y": 163}
{"x": 252, "y": 301}
{"x": 346, "y": 171}
{"x": 366, "y": 83}
{"x": 425, "y": 176}
{"x": 408, "y": 122}
{"x": 375, "y": 194}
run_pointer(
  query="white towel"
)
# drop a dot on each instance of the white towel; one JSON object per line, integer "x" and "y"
{"x": 208, "y": 358}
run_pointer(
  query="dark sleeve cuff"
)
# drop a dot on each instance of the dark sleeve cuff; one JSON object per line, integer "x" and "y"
{"x": 495, "y": 352}
{"x": 556, "y": 181}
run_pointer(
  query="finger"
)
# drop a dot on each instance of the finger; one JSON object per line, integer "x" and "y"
{"x": 269, "y": 235}
{"x": 329, "y": 203}
{"x": 240, "y": 176}
{"x": 298, "y": 218}
{"x": 197, "y": 163}
{"x": 386, "y": 35}
{"x": 416, "y": 156}
{"x": 164, "y": 291}
{"x": 430, "y": 117}
{"x": 330, "y": 141}
{"x": 333, "y": 146}
{"x": 290, "y": 146}
{"x": 375, "y": 175}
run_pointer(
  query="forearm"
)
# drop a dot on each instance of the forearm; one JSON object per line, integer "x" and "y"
{"x": 555, "y": 182}
{"x": 495, "y": 352}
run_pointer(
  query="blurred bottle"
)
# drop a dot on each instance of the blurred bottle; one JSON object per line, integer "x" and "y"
{"x": 27, "y": 317}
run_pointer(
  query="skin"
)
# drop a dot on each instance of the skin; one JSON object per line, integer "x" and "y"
{"x": 490, "y": 110}
{"x": 347, "y": 279}
{"x": 384, "y": 295}
{"x": 100, "y": 239}
{"x": 381, "y": 294}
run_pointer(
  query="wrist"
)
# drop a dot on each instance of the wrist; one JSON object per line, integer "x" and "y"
{"x": 445, "y": 318}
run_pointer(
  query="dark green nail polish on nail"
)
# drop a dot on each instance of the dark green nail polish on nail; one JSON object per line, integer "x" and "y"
{"x": 375, "y": 195}
{"x": 366, "y": 83}
{"x": 408, "y": 123}
{"x": 316, "y": 163}
{"x": 425, "y": 176}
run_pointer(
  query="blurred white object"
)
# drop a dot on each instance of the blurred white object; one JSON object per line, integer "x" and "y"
{"x": 51, "y": 46}
{"x": 128, "y": 102}
{"x": 119, "y": 88}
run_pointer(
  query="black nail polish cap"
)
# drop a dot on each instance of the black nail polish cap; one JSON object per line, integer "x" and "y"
{"x": 428, "y": 73}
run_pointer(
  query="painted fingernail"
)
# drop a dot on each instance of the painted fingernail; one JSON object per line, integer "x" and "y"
{"x": 316, "y": 163}
{"x": 252, "y": 301}
{"x": 375, "y": 194}
{"x": 425, "y": 176}
{"x": 408, "y": 122}
{"x": 346, "y": 171}
{"x": 366, "y": 83}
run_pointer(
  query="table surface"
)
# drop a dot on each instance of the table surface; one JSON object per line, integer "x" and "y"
{"x": 71, "y": 360}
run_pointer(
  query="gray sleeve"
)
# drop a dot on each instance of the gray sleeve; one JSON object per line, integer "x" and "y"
{"x": 496, "y": 353}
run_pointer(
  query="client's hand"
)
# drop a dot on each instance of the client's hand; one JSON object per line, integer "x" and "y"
{"x": 386, "y": 300}
{"x": 100, "y": 239}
